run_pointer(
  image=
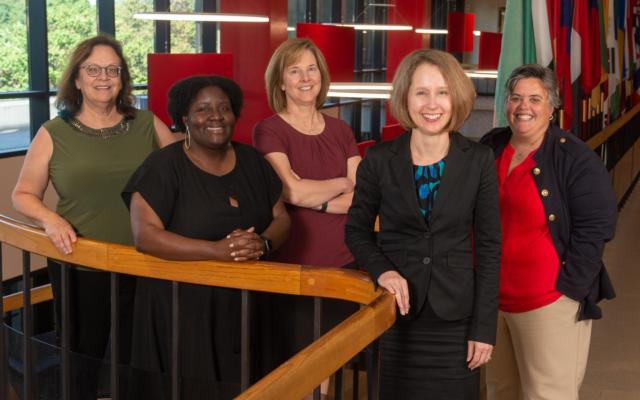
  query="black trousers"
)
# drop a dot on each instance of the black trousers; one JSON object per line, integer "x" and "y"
{"x": 90, "y": 324}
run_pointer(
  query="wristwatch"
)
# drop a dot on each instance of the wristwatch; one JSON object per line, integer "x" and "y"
{"x": 268, "y": 245}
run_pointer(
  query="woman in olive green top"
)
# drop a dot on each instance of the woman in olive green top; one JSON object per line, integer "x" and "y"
{"x": 89, "y": 152}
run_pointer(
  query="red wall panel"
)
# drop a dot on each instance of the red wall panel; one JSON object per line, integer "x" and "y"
{"x": 337, "y": 43}
{"x": 489, "y": 52}
{"x": 166, "y": 69}
{"x": 460, "y": 36}
{"x": 252, "y": 45}
{"x": 416, "y": 13}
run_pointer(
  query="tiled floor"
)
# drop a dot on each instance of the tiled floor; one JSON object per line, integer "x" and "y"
{"x": 613, "y": 372}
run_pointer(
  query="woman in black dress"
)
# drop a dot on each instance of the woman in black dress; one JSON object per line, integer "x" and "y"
{"x": 438, "y": 249}
{"x": 204, "y": 198}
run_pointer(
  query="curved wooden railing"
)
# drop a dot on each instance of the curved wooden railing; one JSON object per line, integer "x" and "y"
{"x": 610, "y": 130}
{"x": 300, "y": 374}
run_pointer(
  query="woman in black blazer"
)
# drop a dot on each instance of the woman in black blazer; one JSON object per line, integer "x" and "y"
{"x": 438, "y": 249}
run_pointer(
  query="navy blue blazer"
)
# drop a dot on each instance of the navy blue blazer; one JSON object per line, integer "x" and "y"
{"x": 581, "y": 211}
{"x": 453, "y": 261}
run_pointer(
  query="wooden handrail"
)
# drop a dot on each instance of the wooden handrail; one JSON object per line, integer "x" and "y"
{"x": 15, "y": 301}
{"x": 602, "y": 136}
{"x": 324, "y": 356}
{"x": 260, "y": 275}
{"x": 293, "y": 379}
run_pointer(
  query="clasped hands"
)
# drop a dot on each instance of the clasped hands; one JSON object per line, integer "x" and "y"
{"x": 243, "y": 245}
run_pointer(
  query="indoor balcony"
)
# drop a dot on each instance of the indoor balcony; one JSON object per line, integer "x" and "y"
{"x": 32, "y": 366}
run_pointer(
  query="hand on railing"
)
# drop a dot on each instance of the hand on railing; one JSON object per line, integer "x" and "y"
{"x": 60, "y": 232}
{"x": 396, "y": 285}
{"x": 245, "y": 244}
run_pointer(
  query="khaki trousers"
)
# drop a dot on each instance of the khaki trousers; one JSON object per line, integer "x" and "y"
{"x": 540, "y": 354}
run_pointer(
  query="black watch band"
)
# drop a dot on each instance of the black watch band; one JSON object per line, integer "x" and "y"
{"x": 268, "y": 245}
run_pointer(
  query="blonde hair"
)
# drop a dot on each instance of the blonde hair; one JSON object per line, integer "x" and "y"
{"x": 285, "y": 55}
{"x": 461, "y": 90}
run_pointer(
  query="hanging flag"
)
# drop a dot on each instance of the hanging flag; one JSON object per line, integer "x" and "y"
{"x": 563, "y": 65}
{"x": 636, "y": 53}
{"x": 541, "y": 32}
{"x": 518, "y": 47}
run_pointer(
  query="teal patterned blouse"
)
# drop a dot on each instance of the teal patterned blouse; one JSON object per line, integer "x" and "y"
{"x": 427, "y": 179}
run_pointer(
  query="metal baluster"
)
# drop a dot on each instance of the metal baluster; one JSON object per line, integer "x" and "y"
{"x": 66, "y": 330}
{"x": 338, "y": 384}
{"x": 355, "y": 379}
{"x": 27, "y": 326}
{"x": 317, "y": 332}
{"x": 4, "y": 370}
{"x": 175, "y": 332}
{"x": 245, "y": 344}
{"x": 115, "y": 339}
{"x": 373, "y": 370}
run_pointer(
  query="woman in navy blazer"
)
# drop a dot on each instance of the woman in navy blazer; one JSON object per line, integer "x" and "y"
{"x": 438, "y": 249}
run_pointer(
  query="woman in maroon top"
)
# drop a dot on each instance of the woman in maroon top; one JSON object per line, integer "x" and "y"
{"x": 316, "y": 158}
{"x": 557, "y": 209}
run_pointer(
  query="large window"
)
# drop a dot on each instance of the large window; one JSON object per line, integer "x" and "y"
{"x": 183, "y": 34}
{"x": 14, "y": 77}
{"x": 136, "y": 36}
{"x": 68, "y": 23}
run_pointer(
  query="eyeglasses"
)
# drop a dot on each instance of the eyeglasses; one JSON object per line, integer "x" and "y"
{"x": 93, "y": 70}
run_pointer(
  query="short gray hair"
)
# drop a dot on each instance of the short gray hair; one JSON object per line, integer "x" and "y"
{"x": 546, "y": 76}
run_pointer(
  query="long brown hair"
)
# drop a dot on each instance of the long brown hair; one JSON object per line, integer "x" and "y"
{"x": 69, "y": 99}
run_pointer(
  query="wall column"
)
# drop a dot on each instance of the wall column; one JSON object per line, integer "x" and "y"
{"x": 252, "y": 45}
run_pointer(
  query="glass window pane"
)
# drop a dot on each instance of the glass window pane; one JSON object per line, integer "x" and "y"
{"x": 136, "y": 36}
{"x": 53, "y": 111}
{"x": 65, "y": 32}
{"x": 14, "y": 71}
{"x": 185, "y": 35}
{"x": 14, "y": 125}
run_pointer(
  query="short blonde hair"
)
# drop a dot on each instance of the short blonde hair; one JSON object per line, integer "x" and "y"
{"x": 285, "y": 55}
{"x": 461, "y": 89}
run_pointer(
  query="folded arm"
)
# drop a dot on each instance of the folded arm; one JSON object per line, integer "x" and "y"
{"x": 308, "y": 193}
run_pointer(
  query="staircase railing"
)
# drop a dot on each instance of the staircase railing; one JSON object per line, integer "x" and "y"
{"x": 292, "y": 380}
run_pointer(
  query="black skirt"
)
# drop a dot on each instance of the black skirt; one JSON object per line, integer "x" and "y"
{"x": 426, "y": 358}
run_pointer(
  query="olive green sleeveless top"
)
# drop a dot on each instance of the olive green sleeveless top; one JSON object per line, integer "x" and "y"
{"x": 89, "y": 172}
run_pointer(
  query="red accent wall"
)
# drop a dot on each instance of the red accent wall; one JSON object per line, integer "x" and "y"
{"x": 489, "y": 52}
{"x": 460, "y": 39}
{"x": 416, "y": 13}
{"x": 252, "y": 45}
{"x": 166, "y": 69}
{"x": 337, "y": 43}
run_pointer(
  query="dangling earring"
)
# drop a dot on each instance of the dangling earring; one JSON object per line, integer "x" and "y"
{"x": 187, "y": 141}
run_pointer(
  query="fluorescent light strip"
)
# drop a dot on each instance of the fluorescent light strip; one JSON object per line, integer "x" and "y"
{"x": 485, "y": 75}
{"x": 365, "y": 86}
{"x": 359, "y": 95}
{"x": 376, "y": 27}
{"x": 439, "y": 31}
{"x": 432, "y": 31}
{"x": 381, "y": 90}
{"x": 200, "y": 17}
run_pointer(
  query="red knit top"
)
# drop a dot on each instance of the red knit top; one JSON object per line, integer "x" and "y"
{"x": 530, "y": 263}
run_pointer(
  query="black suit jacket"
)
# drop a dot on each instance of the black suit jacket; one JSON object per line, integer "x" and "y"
{"x": 453, "y": 262}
